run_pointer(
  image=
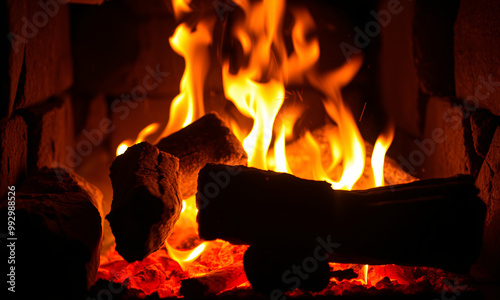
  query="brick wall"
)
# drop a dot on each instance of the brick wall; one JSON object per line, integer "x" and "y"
{"x": 36, "y": 112}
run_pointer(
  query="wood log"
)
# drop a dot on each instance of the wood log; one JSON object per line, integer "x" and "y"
{"x": 54, "y": 236}
{"x": 146, "y": 200}
{"x": 434, "y": 222}
{"x": 207, "y": 140}
{"x": 213, "y": 282}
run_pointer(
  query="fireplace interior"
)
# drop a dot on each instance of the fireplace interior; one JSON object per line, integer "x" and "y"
{"x": 144, "y": 146}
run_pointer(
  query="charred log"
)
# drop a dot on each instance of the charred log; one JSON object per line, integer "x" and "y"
{"x": 434, "y": 222}
{"x": 207, "y": 140}
{"x": 54, "y": 235}
{"x": 146, "y": 200}
{"x": 213, "y": 282}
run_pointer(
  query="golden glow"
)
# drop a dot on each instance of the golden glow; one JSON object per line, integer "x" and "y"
{"x": 145, "y": 132}
{"x": 378, "y": 157}
{"x": 257, "y": 89}
{"x": 191, "y": 42}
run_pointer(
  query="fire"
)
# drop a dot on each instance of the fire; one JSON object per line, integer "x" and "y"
{"x": 379, "y": 150}
{"x": 257, "y": 87}
{"x": 191, "y": 42}
{"x": 257, "y": 90}
{"x": 143, "y": 134}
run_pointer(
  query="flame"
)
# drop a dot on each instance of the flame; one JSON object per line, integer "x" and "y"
{"x": 306, "y": 52}
{"x": 256, "y": 87}
{"x": 191, "y": 42}
{"x": 181, "y": 7}
{"x": 257, "y": 90}
{"x": 378, "y": 157}
{"x": 281, "y": 164}
{"x": 145, "y": 132}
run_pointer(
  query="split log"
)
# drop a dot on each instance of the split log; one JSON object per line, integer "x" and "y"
{"x": 434, "y": 222}
{"x": 213, "y": 282}
{"x": 146, "y": 200}
{"x": 207, "y": 140}
{"x": 55, "y": 235}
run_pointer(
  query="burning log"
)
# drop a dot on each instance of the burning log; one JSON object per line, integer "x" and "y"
{"x": 434, "y": 222}
{"x": 146, "y": 200}
{"x": 213, "y": 282}
{"x": 208, "y": 140}
{"x": 54, "y": 235}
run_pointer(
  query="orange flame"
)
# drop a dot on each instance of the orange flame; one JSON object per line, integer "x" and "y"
{"x": 378, "y": 156}
{"x": 145, "y": 132}
{"x": 192, "y": 44}
{"x": 253, "y": 94}
{"x": 257, "y": 90}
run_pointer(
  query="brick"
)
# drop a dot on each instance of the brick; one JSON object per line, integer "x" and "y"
{"x": 48, "y": 57}
{"x": 477, "y": 40}
{"x": 58, "y": 225}
{"x": 112, "y": 39}
{"x": 15, "y": 10}
{"x": 448, "y": 155}
{"x": 488, "y": 182}
{"x": 50, "y": 130}
{"x": 13, "y": 152}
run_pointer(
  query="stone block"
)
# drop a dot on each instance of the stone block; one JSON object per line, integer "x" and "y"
{"x": 48, "y": 58}
{"x": 50, "y": 132}
{"x": 15, "y": 11}
{"x": 477, "y": 64}
{"x": 13, "y": 152}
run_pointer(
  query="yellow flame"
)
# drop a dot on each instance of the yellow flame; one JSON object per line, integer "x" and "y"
{"x": 181, "y": 7}
{"x": 257, "y": 90}
{"x": 378, "y": 157}
{"x": 184, "y": 257}
{"x": 365, "y": 271}
{"x": 281, "y": 164}
{"x": 145, "y": 132}
{"x": 191, "y": 42}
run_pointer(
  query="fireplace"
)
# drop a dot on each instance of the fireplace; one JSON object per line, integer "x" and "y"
{"x": 145, "y": 146}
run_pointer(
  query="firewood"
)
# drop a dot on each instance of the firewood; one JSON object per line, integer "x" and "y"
{"x": 213, "y": 282}
{"x": 433, "y": 222}
{"x": 146, "y": 200}
{"x": 207, "y": 140}
{"x": 55, "y": 235}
